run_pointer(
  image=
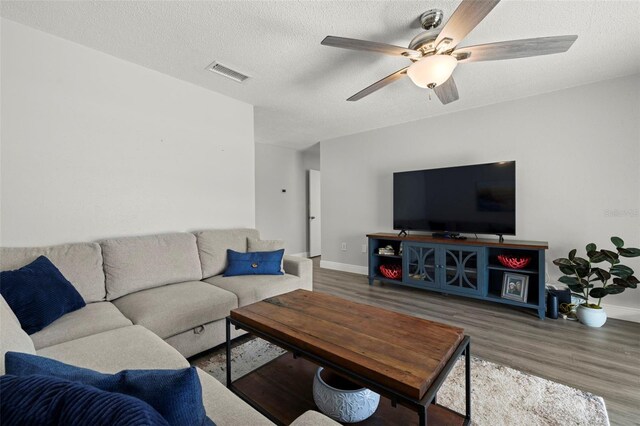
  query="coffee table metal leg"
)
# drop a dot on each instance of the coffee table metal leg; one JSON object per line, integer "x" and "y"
{"x": 467, "y": 373}
{"x": 228, "y": 331}
{"x": 422, "y": 416}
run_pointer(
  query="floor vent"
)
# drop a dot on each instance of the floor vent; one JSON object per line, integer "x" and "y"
{"x": 227, "y": 72}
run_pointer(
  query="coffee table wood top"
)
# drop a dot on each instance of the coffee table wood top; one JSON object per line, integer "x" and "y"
{"x": 398, "y": 351}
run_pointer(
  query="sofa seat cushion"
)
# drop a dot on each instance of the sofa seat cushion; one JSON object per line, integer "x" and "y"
{"x": 126, "y": 348}
{"x": 253, "y": 288}
{"x": 314, "y": 418}
{"x": 224, "y": 407}
{"x": 94, "y": 318}
{"x": 174, "y": 308}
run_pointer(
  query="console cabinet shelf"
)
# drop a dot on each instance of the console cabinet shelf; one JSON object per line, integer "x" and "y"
{"x": 467, "y": 268}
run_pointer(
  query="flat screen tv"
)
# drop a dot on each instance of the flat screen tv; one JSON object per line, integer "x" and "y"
{"x": 477, "y": 199}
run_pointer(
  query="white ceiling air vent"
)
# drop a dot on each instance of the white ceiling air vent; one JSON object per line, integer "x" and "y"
{"x": 227, "y": 72}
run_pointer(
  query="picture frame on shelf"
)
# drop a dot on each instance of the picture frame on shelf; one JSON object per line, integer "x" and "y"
{"x": 515, "y": 287}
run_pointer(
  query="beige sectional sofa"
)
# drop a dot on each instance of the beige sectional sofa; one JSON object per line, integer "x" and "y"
{"x": 152, "y": 301}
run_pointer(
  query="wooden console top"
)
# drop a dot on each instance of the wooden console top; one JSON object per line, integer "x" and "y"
{"x": 401, "y": 352}
{"x": 536, "y": 245}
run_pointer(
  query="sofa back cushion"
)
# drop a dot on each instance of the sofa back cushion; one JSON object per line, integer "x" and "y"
{"x": 136, "y": 263}
{"x": 80, "y": 263}
{"x": 12, "y": 337}
{"x": 213, "y": 245}
{"x": 39, "y": 294}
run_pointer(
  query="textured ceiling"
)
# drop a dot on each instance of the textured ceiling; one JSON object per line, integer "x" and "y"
{"x": 299, "y": 87}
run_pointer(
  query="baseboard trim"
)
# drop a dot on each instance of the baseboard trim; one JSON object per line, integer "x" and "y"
{"x": 622, "y": 312}
{"x": 344, "y": 267}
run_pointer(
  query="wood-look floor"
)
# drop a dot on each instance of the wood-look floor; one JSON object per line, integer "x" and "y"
{"x": 604, "y": 361}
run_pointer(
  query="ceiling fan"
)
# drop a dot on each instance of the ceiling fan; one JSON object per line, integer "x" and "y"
{"x": 435, "y": 52}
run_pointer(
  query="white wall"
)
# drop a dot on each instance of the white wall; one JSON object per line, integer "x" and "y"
{"x": 283, "y": 215}
{"x": 311, "y": 157}
{"x": 93, "y": 146}
{"x": 577, "y": 153}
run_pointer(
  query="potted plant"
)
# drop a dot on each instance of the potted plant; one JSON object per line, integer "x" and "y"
{"x": 586, "y": 279}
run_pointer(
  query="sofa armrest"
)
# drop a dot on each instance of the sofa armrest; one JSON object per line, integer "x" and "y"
{"x": 301, "y": 267}
{"x": 313, "y": 418}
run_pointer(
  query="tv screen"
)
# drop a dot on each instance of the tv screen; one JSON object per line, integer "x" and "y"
{"x": 477, "y": 199}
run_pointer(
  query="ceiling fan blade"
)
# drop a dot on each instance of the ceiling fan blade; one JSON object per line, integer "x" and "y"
{"x": 465, "y": 18}
{"x": 515, "y": 49}
{"x": 447, "y": 92}
{"x": 370, "y": 46}
{"x": 379, "y": 84}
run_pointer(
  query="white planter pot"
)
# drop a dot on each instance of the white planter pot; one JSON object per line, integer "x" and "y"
{"x": 347, "y": 406}
{"x": 591, "y": 317}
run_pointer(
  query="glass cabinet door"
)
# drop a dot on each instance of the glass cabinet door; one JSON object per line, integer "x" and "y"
{"x": 460, "y": 270}
{"x": 420, "y": 265}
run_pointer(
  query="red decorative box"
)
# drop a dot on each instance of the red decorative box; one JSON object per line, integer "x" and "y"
{"x": 393, "y": 272}
{"x": 513, "y": 262}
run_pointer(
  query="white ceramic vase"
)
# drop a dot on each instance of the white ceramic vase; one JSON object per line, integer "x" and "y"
{"x": 591, "y": 317}
{"x": 347, "y": 406}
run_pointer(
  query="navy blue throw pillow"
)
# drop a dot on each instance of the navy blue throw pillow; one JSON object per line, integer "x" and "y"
{"x": 39, "y": 294}
{"x": 254, "y": 263}
{"x": 175, "y": 394}
{"x": 49, "y": 401}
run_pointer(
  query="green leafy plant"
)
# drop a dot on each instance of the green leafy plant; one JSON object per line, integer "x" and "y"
{"x": 581, "y": 275}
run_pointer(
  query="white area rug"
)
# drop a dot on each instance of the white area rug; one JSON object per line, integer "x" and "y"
{"x": 500, "y": 395}
{"x": 245, "y": 358}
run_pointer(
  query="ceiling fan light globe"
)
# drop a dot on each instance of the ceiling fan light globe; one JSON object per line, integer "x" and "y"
{"x": 432, "y": 71}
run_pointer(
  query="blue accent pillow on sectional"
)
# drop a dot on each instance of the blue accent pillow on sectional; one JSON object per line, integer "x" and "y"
{"x": 39, "y": 294}
{"x": 50, "y": 401}
{"x": 254, "y": 263}
{"x": 175, "y": 394}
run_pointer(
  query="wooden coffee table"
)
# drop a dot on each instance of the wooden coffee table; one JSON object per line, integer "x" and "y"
{"x": 403, "y": 358}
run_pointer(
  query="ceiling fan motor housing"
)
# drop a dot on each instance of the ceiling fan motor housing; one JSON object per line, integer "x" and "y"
{"x": 425, "y": 42}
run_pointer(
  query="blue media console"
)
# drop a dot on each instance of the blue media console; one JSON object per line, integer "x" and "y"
{"x": 468, "y": 268}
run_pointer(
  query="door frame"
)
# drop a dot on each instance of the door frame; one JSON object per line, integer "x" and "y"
{"x": 314, "y": 247}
